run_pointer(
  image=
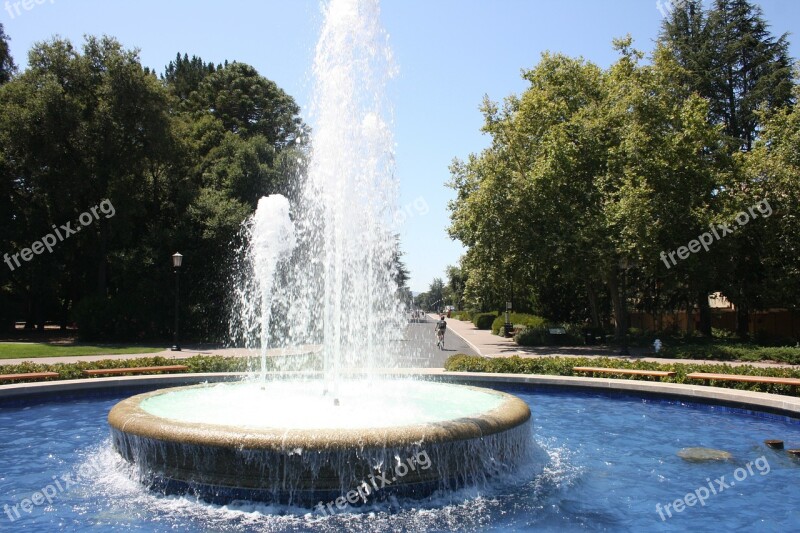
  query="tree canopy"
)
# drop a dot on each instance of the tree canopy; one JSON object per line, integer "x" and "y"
{"x": 594, "y": 176}
{"x": 183, "y": 160}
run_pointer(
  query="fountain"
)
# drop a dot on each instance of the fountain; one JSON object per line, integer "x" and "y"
{"x": 320, "y": 272}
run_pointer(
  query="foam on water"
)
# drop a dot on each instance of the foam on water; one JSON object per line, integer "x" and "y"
{"x": 121, "y": 500}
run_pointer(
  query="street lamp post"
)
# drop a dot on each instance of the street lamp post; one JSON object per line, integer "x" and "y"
{"x": 508, "y": 327}
{"x": 177, "y": 261}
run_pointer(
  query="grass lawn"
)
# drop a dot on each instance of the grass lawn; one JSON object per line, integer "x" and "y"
{"x": 11, "y": 350}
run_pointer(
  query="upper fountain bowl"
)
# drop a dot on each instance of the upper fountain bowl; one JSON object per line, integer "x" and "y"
{"x": 288, "y": 442}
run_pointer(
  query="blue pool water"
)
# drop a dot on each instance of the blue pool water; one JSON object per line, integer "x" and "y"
{"x": 611, "y": 461}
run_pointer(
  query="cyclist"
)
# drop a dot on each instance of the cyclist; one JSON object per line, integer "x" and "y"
{"x": 440, "y": 328}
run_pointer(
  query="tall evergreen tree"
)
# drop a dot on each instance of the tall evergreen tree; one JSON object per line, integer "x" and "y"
{"x": 686, "y": 32}
{"x": 745, "y": 73}
{"x": 184, "y": 76}
{"x": 7, "y": 66}
{"x": 733, "y": 60}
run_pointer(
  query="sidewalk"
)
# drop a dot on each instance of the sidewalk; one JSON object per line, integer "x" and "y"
{"x": 489, "y": 345}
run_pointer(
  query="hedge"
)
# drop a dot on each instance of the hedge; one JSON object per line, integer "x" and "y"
{"x": 732, "y": 352}
{"x": 196, "y": 364}
{"x": 541, "y": 336}
{"x": 518, "y": 319}
{"x": 462, "y": 315}
{"x": 484, "y": 320}
{"x": 562, "y": 366}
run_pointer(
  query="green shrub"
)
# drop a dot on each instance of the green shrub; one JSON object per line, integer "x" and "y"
{"x": 541, "y": 336}
{"x": 731, "y": 352}
{"x": 217, "y": 363}
{"x": 517, "y": 319}
{"x": 562, "y": 366}
{"x": 196, "y": 364}
{"x": 465, "y": 315}
{"x": 722, "y": 333}
{"x": 484, "y": 320}
{"x": 498, "y": 325}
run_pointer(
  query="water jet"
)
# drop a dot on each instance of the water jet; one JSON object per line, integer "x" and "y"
{"x": 320, "y": 270}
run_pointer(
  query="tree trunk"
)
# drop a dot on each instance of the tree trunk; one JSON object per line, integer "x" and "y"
{"x": 595, "y": 314}
{"x": 705, "y": 314}
{"x": 689, "y": 317}
{"x": 102, "y": 280}
{"x": 620, "y": 309}
{"x": 743, "y": 321}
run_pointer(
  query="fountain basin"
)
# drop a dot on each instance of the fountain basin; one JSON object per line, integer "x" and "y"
{"x": 408, "y": 438}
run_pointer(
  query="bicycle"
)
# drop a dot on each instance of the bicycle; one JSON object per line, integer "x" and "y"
{"x": 440, "y": 337}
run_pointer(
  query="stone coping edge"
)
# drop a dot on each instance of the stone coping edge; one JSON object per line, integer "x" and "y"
{"x": 758, "y": 401}
{"x": 129, "y": 417}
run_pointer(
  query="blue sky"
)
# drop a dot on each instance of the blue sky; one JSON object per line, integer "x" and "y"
{"x": 450, "y": 54}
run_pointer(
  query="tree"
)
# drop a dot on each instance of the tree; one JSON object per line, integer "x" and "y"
{"x": 80, "y": 127}
{"x": 400, "y": 272}
{"x": 436, "y": 294}
{"x": 83, "y": 125}
{"x": 590, "y": 175}
{"x": 456, "y": 283}
{"x": 772, "y": 174}
{"x": 746, "y": 74}
{"x": 248, "y": 104}
{"x": 733, "y": 60}
{"x": 7, "y": 67}
{"x": 183, "y": 76}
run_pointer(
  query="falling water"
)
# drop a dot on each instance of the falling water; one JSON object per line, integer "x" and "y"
{"x": 272, "y": 240}
{"x": 338, "y": 291}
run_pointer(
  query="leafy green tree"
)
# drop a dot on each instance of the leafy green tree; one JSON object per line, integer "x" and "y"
{"x": 456, "y": 283}
{"x": 400, "y": 273}
{"x": 7, "y": 67}
{"x": 7, "y": 317}
{"x": 436, "y": 294}
{"x": 80, "y": 126}
{"x": 770, "y": 182}
{"x": 248, "y": 104}
{"x": 590, "y": 175}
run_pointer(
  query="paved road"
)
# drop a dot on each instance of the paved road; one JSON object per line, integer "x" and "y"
{"x": 418, "y": 348}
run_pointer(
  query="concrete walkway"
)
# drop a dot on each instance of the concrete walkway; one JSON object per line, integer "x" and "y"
{"x": 489, "y": 345}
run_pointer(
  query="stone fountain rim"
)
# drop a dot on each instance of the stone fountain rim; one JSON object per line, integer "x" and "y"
{"x": 128, "y": 417}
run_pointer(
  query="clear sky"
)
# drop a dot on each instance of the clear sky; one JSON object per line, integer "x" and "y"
{"x": 450, "y": 54}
